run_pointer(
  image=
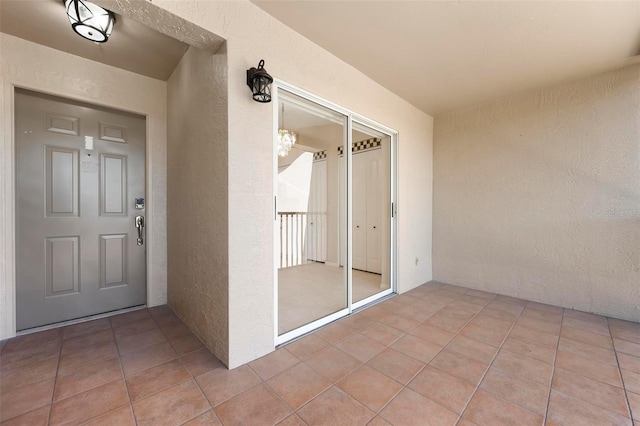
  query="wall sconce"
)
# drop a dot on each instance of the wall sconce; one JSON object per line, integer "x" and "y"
{"x": 90, "y": 20}
{"x": 259, "y": 81}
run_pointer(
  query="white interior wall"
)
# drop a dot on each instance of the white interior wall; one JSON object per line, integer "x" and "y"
{"x": 35, "y": 67}
{"x": 538, "y": 195}
{"x": 252, "y": 35}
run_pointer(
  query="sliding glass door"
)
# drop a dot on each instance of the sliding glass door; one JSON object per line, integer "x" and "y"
{"x": 334, "y": 230}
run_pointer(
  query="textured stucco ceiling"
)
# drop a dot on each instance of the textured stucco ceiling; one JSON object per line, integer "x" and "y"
{"x": 445, "y": 55}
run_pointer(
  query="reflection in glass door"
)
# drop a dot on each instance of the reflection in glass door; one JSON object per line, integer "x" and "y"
{"x": 311, "y": 283}
{"x": 371, "y": 212}
{"x": 334, "y": 230}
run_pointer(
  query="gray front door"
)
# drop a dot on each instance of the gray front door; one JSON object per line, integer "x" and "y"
{"x": 79, "y": 169}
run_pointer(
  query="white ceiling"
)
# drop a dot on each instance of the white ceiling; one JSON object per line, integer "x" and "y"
{"x": 132, "y": 46}
{"x": 445, "y": 55}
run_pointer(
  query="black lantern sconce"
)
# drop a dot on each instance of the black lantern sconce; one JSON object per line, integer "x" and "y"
{"x": 259, "y": 81}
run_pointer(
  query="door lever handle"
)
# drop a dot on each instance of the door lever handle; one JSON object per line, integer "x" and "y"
{"x": 140, "y": 225}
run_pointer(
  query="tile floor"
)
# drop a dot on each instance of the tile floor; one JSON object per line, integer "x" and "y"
{"x": 438, "y": 355}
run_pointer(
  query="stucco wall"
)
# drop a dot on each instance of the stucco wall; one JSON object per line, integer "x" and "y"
{"x": 538, "y": 195}
{"x": 32, "y": 66}
{"x": 252, "y": 35}
{"x": 197, "y": 197}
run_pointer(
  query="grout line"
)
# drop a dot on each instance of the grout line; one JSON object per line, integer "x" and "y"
{"x": 624, "y": 387}
{"x": 466, "y": 406}
{"x": 553, "y": 368}
{"x": 55, "y": 379}
{"x": 438, "y": 353}
{"x": 124, "y": 379}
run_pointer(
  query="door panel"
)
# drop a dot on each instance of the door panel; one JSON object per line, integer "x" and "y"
{"x": 359, "y": 227}
{"x": 374, "y": 183}
{"x": 75, "y": 235}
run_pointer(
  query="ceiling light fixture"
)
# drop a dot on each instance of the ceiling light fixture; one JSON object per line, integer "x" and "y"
{"x": 259, "y": 81}
{"x": 286, "y": 139}
{"x": 90, "y": 20}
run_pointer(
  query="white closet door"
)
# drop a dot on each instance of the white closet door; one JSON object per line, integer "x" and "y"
{"x": 316, "y": 221}
{"x": 359, "y": 224}
{"x": 320, "y": 167}
{"x": 374, "y": 225}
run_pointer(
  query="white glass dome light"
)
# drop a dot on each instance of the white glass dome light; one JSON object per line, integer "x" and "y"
{"x": 90, "y": 20}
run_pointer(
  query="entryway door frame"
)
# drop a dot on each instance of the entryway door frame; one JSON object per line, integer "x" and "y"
{"x": 153, "y": 119}
{"x": 352, "y": 118}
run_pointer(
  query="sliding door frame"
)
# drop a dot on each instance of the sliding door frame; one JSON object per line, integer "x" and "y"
{"x": 351, "y": 118}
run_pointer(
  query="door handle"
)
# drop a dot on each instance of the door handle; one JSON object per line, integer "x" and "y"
{"x": 140, "y": 225}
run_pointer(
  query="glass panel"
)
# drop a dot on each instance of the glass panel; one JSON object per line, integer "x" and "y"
{"x": 311, "y": 206}
{"x": 371, "y": 224}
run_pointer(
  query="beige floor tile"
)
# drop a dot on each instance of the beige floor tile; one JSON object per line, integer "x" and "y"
{"x": 526, "y": 394}
{"x": 589, "y": 390}
{"x": 208, "y": 418}
{"x": 540, "y": 325}
{"x": 156, "y": 379}
{"x": 626, "y": 347}
{"x": 410, "y": 408}
{"x": 599, "y": 327}
{"x": 120, "y": 417}
{"x": 221, "y": 384}
{"x": 545, "y": 353}
{"x": 90, "y": 404}
{"x": 589, "y": 368}
{"x": 28, "y": 375}
{"x": 175, "y": 405}
{"x": 335, "y": 407}
{"x": 298, "y": 385}
{"x": 136, "y": 327}
{"x": 472, "y": 348}
{"x": 382, "y": 333}
{"x": 486, "y": 409}
{"x": 460, "y": 366}
{"x": 396, "y": 365}
{"x": 292, "y": 420}
{"x": 432, "y": 334}
{"x": 134, "y": 362}
{"x": 186, "y": 344}
{"x": 566, "y": 410}
{"x": 587, "y": 337}
{"x": 370, "y": 387}
{"x": 86, "y": 340}
{"x": 124, "y": 320}
{"x": 86, "y": 377}
{"x": 589, "y": 351}
{"x": 87, "y": 327}
{"x": 533, "y": 336}
{"x": 25, "y": 399}
{"x": 274, "y": 363}
{"x": 201, "y": 361}
{"x": 416, "y": 348}
{"x": 256, "y": 405}
{"x": 39, "y": 417}
{"x": 438, "y": 386}
{"x": 484, "y": 334}
{"x": 360, "y": 347}
{"x": 400, "y": 323}
{"x": 306, "y": 347}
{"x": 333, "y": 364}
{"x": 634, "y": 403}
{"x": 335, "y": 332}
{"x": 518, "y": 365}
